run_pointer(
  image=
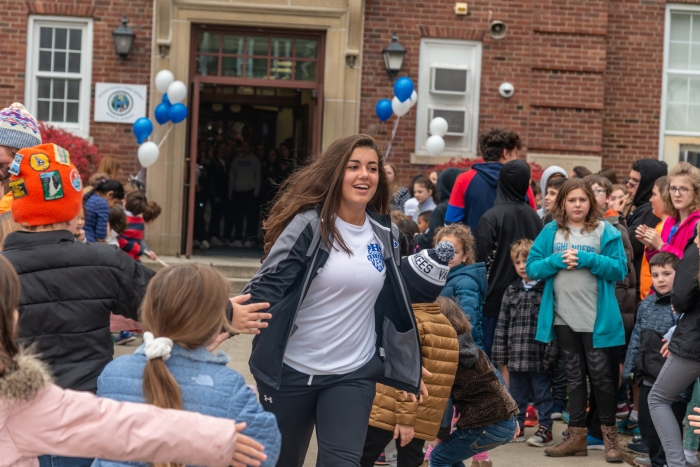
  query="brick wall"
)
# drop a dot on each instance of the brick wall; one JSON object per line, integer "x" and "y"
{"x": 110, "y": 138}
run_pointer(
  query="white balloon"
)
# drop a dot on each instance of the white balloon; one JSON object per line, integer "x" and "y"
{"x": 438, "y": 127}
{"x": 163, "y": 79}
{"x": 177, "y": 91}
{"x": 435, "y": 145}
{"x": 400, "y": 108}
{"x": 148, "y": 153}
{"x": 413, "y": 98}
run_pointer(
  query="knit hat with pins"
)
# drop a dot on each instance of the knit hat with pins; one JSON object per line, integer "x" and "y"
{"x": 18, "y": 128}
{"x": 425, "y": 273}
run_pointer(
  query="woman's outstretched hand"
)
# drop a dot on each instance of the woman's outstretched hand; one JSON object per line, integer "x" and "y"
{"x": 246, "y": 318}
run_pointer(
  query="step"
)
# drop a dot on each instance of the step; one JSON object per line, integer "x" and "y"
{"x": 244, "y": 268}
{"x": 235, "y": 285}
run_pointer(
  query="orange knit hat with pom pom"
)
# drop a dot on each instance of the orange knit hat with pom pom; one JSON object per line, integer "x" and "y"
{"x": 46, "y": 187}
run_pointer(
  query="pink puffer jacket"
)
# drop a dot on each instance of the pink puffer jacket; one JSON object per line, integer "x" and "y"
{"x": 38, "y": 417}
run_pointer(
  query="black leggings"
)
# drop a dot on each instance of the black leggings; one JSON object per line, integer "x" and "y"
{"x": 337, "y": 405}
{"x": 411, "y": 455}
{"x": 581, "y": 358}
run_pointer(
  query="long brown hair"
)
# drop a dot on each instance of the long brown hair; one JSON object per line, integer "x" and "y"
{"x": 455, "y": 315}
{"x": 591, "y": 221}
{"x": 682, "y": 169}
{"x": 321, "y": 182}
{"x": 110, "y": 165}
{"x": 396, "y": 184}
{"x": 9, "y": 302}
{"x": 187, "y": 304}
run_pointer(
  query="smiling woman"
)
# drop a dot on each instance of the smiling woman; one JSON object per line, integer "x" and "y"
{"x": 331, "y": 276}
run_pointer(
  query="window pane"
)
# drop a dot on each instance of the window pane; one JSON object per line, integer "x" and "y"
{"x": 677, "y": 89}
{"x": 694, "y": 95}
{"x": 74, "y": 89}
{"x": 680, "y": 27}
{"x": 233, "y": 44}
{"x": 45, "y": 38}
{"x": 678, "y": 56}
{"x": 59, "y": 89}
{"x": 675, "y": 117}
{"x": 44, "y": 61}
{"x": 257, "y": 45}
{"x": 44, "y": 88}
{"x": 306, "y": 48}
{"x": 282, "y": 47}
{"x": 74, "y": 62}
{"x": 305, "y": 71}
{"x": 72, "y": 109}
{"x": 256, "y": 68}
{"x": 207, "y": 42}
{"x": 207, "y": 65}
{"x": 281, "y": 69}
{"x": 57, "y": 111}
{"x": 232, "y": 66}
{"x": 76, "y": 37}
{"x": 59, "y": 61}
{"x": 61, "y": 39}
{"x": 43, "y": 110}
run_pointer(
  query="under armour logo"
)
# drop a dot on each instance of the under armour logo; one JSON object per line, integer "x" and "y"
{"x": 268, "y": 399}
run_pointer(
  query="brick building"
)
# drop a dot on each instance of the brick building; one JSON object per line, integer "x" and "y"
{"x": 597, "y": 83}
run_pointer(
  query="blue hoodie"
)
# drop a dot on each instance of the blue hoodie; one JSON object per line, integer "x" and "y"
{"x": 474, "y": 193}
{"x": 468, "y": 285}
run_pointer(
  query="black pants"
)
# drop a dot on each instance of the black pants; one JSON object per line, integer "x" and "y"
{"x": 245, "y": 207}
{"x": 218, "y": 208}
{"x": 337, "y": 405}
{"x": 646, "y": 426}
{"x": 559, "y": 382}
{"x": 410, "y": 455}
{"x": 593, "y": 416}
{"x": 580, "y": 359}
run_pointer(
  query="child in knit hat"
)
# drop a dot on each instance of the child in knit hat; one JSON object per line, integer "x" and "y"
{"x": 393, "y": 415}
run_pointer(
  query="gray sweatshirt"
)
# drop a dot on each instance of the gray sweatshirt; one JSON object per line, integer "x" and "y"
{"x": 244, "y": 174}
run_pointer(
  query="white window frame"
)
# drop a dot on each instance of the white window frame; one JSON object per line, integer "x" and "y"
{"x": 82, "y": 128}
{"x": 672, "y": 8}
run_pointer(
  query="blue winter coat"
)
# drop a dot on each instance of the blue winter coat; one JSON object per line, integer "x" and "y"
{"x": 609, "y": 266}
{"x": 207, "y": 386}
{"x": 468, "y": 285}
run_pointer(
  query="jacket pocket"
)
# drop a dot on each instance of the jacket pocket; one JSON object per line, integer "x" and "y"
{"x": 400, "y": 350}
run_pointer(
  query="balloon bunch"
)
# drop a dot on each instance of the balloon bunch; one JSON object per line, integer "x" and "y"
{"x": 405, "y": 97}
{"x": 435, "y": 144}
{"x": 170, "y": 109}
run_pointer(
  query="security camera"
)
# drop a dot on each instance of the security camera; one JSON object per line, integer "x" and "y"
{"x": 506, "y": 90}
{"x": 498, "y": 30}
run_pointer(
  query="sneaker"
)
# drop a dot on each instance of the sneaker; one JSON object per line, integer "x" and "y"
{"x": 542, "y": 438}
{"x": 123, "y": 337}
{"x": 557, "y": 410}
{"x": 530, "y": 416}
{"x": 642, "y": 461}
{"x": 521, "y": 436}
{"x": 237, "y": 244}
{"x": 638, "y": 447}
{"x": 196, "y": 244}
{"x": 626, "y": 427}
{"x": 205, "y": 245}
{"x": 381, "y": 460}
{"x": 565, "y": 417}
{"x": 595, "y": 444}
{"x": 248, "y": 244}
{"x": 623, "y": 411}
{"x": 216, "y": 242}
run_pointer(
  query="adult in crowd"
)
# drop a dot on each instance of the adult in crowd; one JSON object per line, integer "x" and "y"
{"x": 510, "y": 219}
{"x": 399, "y": 194}
{"x": 338, "y": 302}
{"x": 217, "y": 170}
{"x": 640, "y": 183}
{"x": 243, "y": 191}
{"x": 18, "y": 130}
{"x": 580, "y": 172}
{"x": 111, "y": 166}
{"x": 272, "y": 177}
{"x": 551, "y": 172}
{"x": 474, "y": 192}
{"x": 446, "y": 181}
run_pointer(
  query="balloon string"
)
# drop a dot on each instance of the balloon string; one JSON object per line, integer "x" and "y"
{"x": 165, "y": 136}
{"x": 391, "y": 141}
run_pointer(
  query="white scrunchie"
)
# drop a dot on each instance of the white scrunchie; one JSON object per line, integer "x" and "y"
{"x": 157, "y": 347}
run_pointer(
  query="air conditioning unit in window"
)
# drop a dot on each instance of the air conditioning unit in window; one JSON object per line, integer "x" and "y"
{"x": 456, "y": 119}
{"x": 448, "y": 79}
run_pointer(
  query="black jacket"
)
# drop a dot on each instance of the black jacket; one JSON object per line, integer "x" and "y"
{"x": 649, "y": 170}
{"x": 510, "y": 219}
{"x": 285, "y": 277}
{"x": 686, "y": 300}
{"x": 446, "y": 181}
{"x": 625, "y": 289}
{"x": 68, "y": 291}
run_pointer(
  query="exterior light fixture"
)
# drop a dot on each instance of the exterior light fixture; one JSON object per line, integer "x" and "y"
{"x": 123, "y": 39}
{"x": 394, "y": 55}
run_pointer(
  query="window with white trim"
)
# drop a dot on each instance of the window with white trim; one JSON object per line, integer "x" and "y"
{"x": 58, "y": 79}
{"x": 448, "y": 87}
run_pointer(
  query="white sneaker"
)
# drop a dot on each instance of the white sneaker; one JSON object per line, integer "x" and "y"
{"x": 248, "y": 244}
{"x": 237, "y": 244}
{"x": 216, "y": 242}
{"x": 205, "y": 245}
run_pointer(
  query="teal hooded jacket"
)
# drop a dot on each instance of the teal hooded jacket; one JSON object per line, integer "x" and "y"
{"x": 609, "y": 266}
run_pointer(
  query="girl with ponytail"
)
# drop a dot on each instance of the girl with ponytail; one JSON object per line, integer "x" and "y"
{"x": 184, "y": 310}
{"x": 37, "y": 417}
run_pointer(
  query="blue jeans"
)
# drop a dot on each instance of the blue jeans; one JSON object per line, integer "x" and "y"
{"x": 464, "y": 444}
{"x": 523, "y": 386}
{"x": 60, "y": 461}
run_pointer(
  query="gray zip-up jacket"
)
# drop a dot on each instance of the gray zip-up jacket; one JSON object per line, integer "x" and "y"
{"x": 285, "y": 278}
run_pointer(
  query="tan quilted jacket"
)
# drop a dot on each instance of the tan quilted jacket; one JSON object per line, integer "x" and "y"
{"x": 440, "y": 357}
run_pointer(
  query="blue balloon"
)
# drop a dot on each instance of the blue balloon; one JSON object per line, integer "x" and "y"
{"x": 143, "y": 129}
{"x": 383, "y": 110}
{"x": 165, "y": 99}
{"x": 177, "y": 112}
{"x": 162, "y": 113}
{"x": 403, "y": 88}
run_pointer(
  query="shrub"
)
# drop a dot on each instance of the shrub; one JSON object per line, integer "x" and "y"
{"x": 84, "y": 156}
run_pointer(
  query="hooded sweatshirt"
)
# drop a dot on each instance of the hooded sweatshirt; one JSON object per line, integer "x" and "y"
{"x": 546, "y": 175}
{"x": 467, "y": 285}
{"x": 446, "y": 182}
{"x": 649, "y": 170}
{"x": 474, "y": 193}
{"x": 510, "y": 219}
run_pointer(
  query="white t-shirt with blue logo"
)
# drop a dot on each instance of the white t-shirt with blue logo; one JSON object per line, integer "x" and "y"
{"x": 334, "y": 329}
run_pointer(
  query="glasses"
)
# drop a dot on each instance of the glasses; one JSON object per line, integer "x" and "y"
{"x": 683, "y": 190}
{"x": 632, "y": 183}
{"x": 600, "y": 192}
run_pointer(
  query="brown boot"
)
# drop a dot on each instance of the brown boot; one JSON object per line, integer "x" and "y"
{"x": 612, "y": 446}
{"x": 573, "y": 445}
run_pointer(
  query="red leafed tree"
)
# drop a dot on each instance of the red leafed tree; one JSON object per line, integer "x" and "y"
{"x": 84, "y": 156}
{"x": 465, "y": 164}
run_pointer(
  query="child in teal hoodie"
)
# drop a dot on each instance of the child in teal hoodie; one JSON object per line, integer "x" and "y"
{"x": 580, "y": 258}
